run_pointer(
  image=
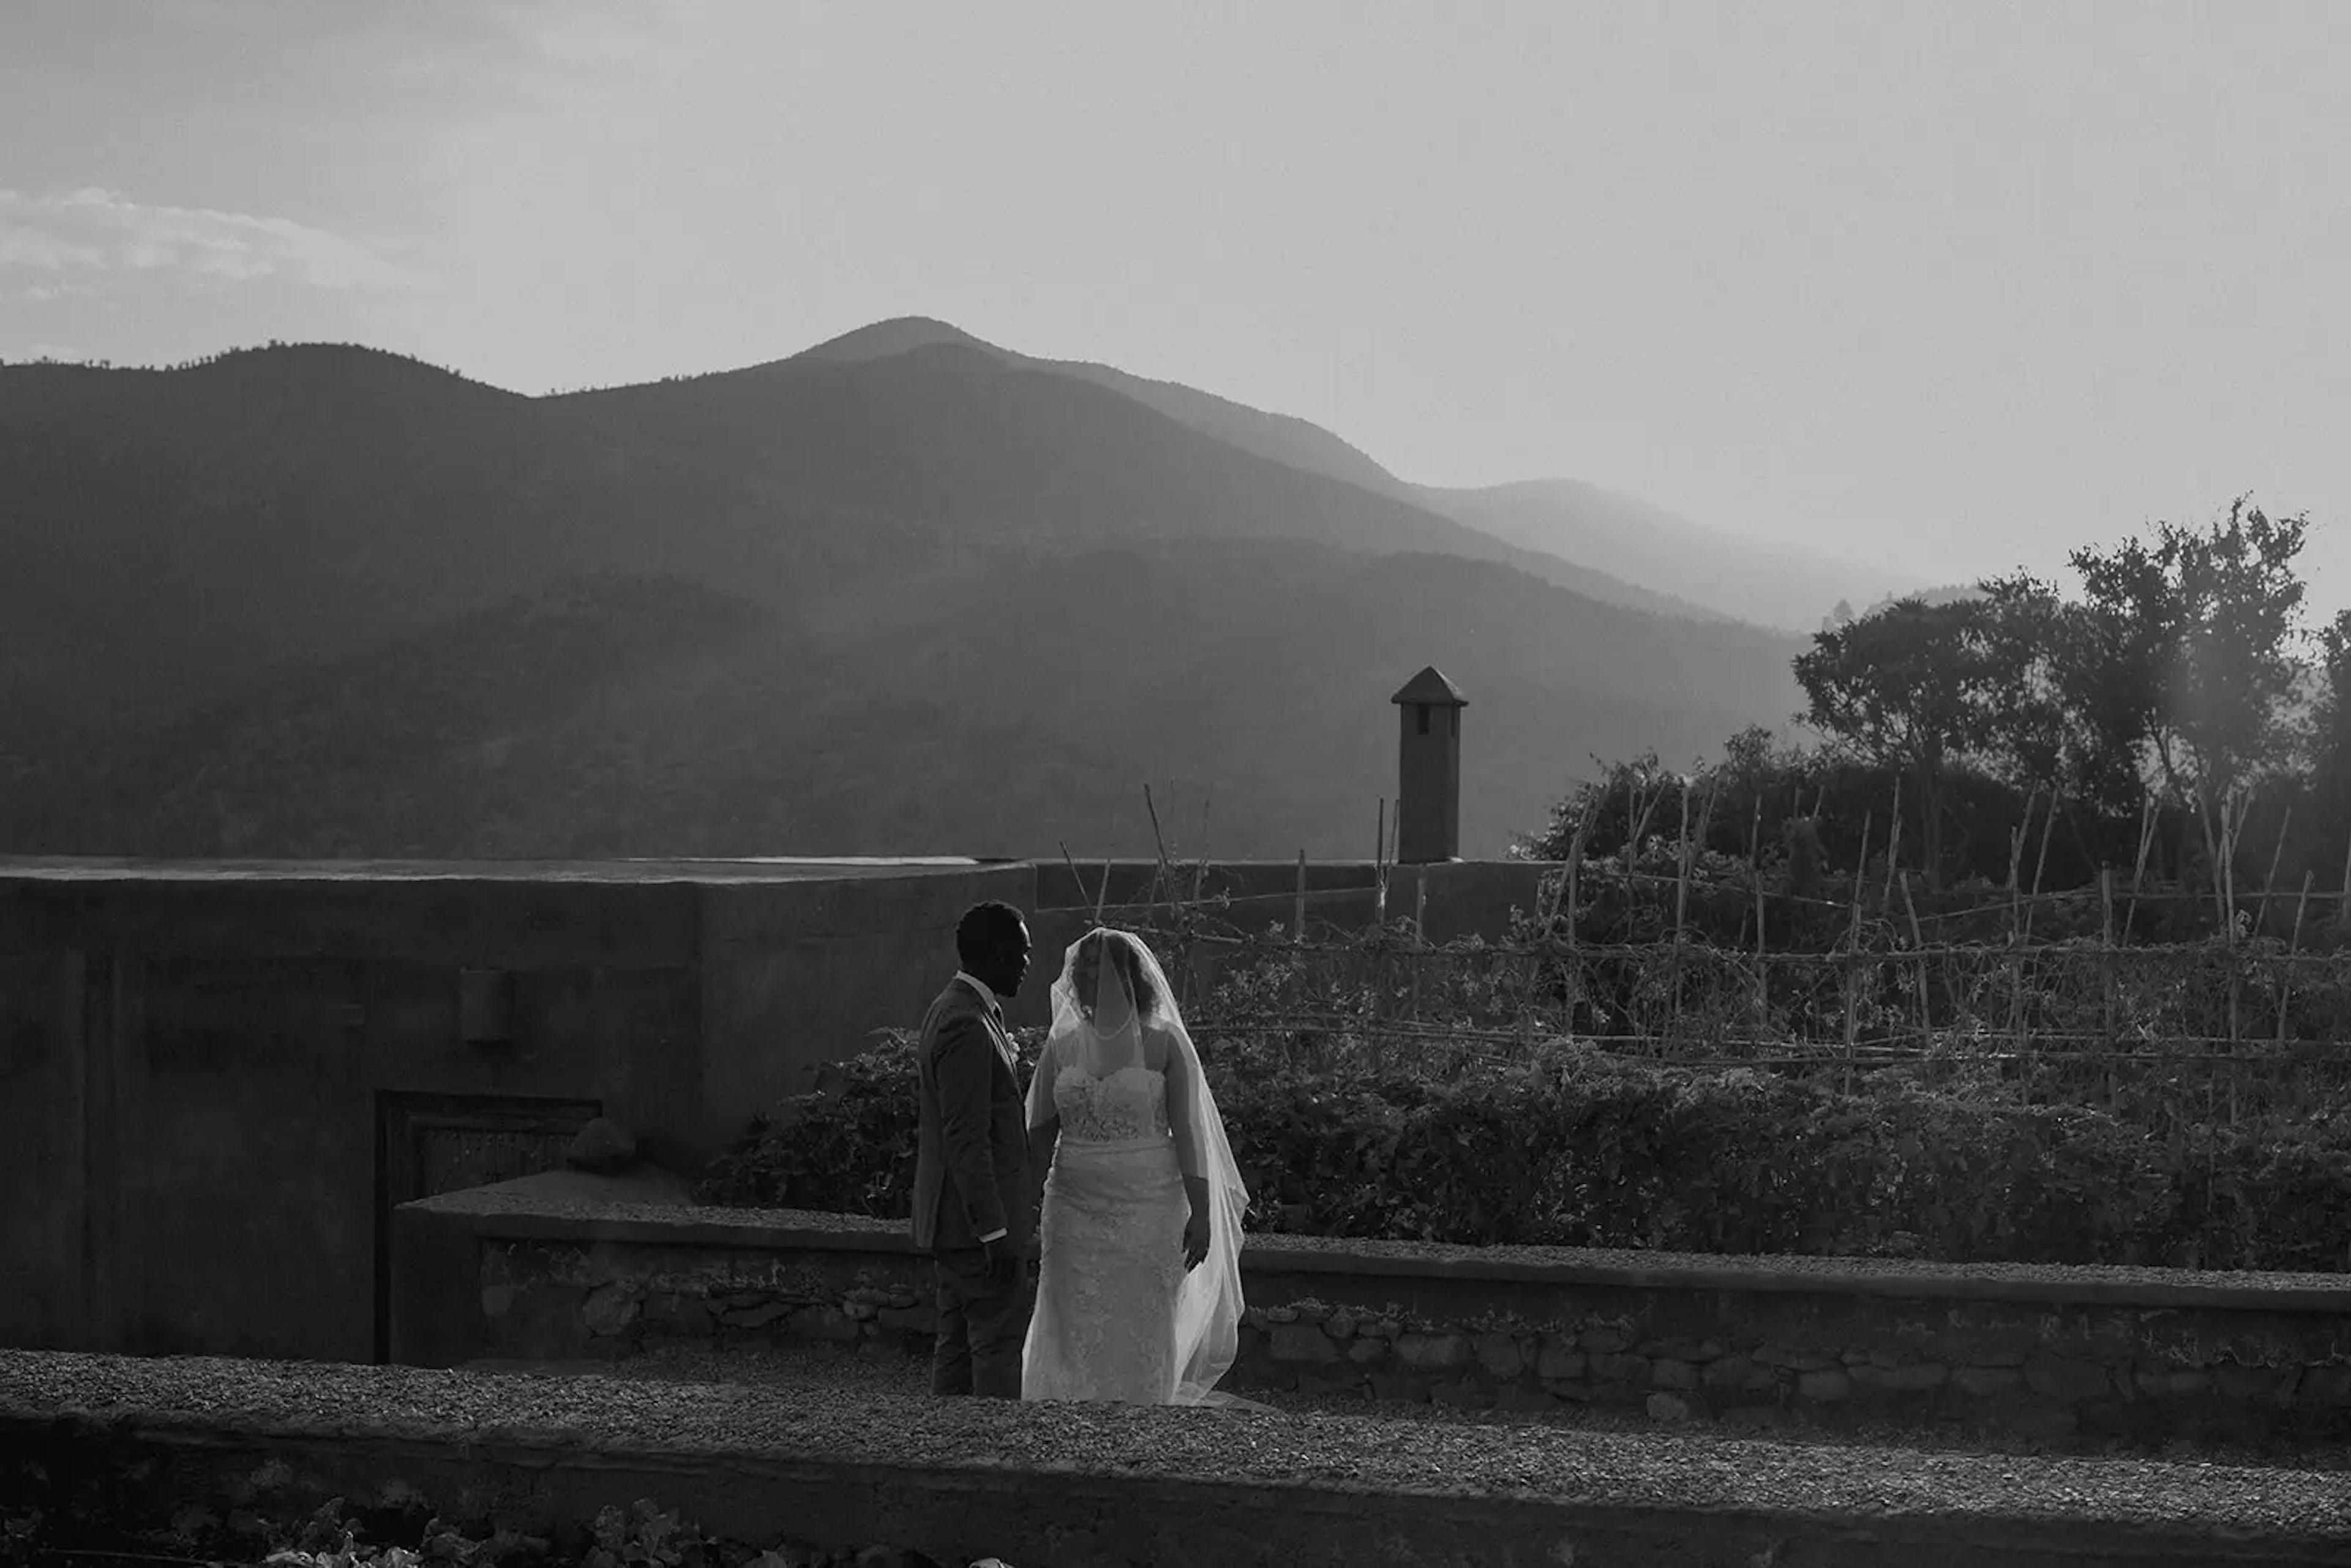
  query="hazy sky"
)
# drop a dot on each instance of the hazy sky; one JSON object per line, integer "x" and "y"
{"x": 1948, "y": 286}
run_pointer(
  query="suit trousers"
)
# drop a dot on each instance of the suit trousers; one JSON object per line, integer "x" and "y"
{"x": 981, "y": 1327}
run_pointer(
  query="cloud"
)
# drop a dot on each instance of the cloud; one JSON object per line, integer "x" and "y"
{"x": 99, "y": 233}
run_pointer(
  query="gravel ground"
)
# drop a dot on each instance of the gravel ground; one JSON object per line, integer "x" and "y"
{"x": 796, "y": 1367}
{"x": 878, "y": 1417}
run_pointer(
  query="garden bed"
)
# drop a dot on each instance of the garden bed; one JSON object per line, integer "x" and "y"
{"x": 1577, "y": 1148}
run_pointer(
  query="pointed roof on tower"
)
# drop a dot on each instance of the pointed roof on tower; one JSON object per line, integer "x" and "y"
{"x": 1431, "y": 688}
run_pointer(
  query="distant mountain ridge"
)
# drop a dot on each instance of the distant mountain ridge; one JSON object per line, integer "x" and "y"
{"x": 327, "y": 584}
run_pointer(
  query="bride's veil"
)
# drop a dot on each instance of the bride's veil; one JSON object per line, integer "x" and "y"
{"x": 1118, "y": 967}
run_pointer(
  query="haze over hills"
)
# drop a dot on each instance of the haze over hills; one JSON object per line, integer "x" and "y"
{"x": 905, "y": 592}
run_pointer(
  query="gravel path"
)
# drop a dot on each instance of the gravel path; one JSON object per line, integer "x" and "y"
{"x": 882, "y": 1419}
{"x": 795, "y": 1367}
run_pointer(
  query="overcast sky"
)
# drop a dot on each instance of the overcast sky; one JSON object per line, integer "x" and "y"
{"x": 1949, "y": 287}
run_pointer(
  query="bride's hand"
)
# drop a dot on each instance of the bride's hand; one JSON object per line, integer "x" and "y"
{"x": 1195, "y": 1240}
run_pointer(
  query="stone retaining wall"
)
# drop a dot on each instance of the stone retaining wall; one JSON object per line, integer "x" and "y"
{"x": 2146, "y": 1355}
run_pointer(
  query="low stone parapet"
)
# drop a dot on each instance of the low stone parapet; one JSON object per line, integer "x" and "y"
{"x": 2143, "y": 1355}
{"x": 855, "y": 1472}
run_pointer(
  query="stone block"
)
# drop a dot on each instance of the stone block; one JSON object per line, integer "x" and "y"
{"x": 1568, "y": 1390}
{"x": 2173, "y": 1383}
{"x": 688, "y": 1315}
{"x": 1606, "y": 1367}
{"x": 608, "y": 1308}
{"x": 1521, "y": 1396}
{"x": 496, "y": 1299}
{"x": 1824, "y": 1387}
{"x": 757, "y": 1317}
{"x": 1432, "y": 1352}
{"x": 2326, "y": 1386}
{"x": 1916, "y": 1377}
{"x": 1602, "y": 1341}
{"x": 1303, "y": 1344}
{"x": 1340, "y": 1324}
{"x": 1559, "y": 1358}
{"x": 1988, "y": 1382}
{"x": 1499, "y": 1355}
{"x": 1364, "y": 1351}
{"x": 909, "y": 1320}
{"x": 1729, "y": 1372}
{"x": 1668, "y": 1372}
{"x": 2236, "y": 1382}
{"x": 1668, "y": 1407}
{"x": 2065, "y": 1380}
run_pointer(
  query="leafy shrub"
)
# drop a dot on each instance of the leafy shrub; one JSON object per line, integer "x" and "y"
{"x": 845, "y": 1148}
{"x": 1589, "y": 1150}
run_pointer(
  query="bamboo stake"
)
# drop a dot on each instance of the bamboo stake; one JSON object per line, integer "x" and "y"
{"x": 1918, "y": 945}
{"x": 1200, "y": 866}
{"x": 1574, "y": 960}
{"x": 1298, "y": 903}
{"x": 1892, "y": 841}
{"x": 1380, "y": 867}
{"x": 2106, "y": 969}
{"x": 1853, "y": 976}
{"x": 2147, "y": 825}
{"x": 2293, "y": 947}
{"x": 2277, "y": 853}
{"x": 2016, "y": 920}
{"x": 2343, "y": 909}
{"x": 1681, "y": 907}
{"x": 1160, "y": 873}
{"x": 2041, "y": 860}
{"x": 1763, "y": 967}
{"x": 1076, "y": 881}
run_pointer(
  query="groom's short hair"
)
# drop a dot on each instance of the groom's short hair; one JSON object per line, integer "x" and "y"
{"x": 986, "y": 931}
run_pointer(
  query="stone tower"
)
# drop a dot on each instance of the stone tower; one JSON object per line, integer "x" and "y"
{"x": 1428, "y": 769}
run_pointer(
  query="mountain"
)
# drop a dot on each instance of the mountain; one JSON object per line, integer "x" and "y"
{"x": 1285, "y": 439}
{"x": 1616, "y": 534}
{"x": 1625, "y": 551}
{"x": 909, "y": 596}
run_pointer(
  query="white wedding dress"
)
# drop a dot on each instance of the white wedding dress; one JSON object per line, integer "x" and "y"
{"x": 1118, "y": 1315}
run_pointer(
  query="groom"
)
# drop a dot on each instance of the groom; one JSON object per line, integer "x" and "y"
{"x": 974, "y": 1200}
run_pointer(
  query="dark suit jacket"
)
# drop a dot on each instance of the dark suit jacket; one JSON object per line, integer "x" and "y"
{"x": 971, "y": 1141}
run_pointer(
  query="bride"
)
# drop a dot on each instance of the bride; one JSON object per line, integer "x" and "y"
{"x": 1139, "y": 1285}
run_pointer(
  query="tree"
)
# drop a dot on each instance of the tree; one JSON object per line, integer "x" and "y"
{"x": 2190, "y": 649}
{"x": 1905, "y": 686}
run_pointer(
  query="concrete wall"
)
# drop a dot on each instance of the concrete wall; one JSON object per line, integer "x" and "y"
{"x": 216, "y": 1079}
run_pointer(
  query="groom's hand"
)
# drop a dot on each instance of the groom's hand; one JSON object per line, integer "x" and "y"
{"x": 1003, "y": 1263}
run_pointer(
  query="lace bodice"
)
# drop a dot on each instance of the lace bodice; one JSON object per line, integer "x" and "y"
{"x": 1130, "y": 1103}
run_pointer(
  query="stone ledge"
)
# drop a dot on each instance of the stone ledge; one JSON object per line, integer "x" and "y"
{"x": 500, "y": 1215}
{"x": 1044, "y": 1483}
